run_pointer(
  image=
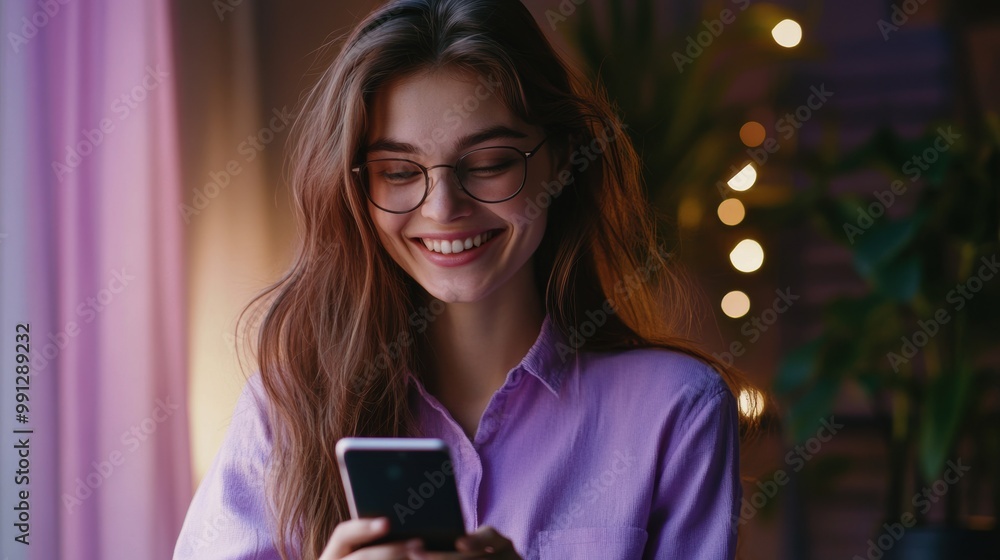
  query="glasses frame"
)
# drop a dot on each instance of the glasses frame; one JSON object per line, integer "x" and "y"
{"x": 427, "y": 178}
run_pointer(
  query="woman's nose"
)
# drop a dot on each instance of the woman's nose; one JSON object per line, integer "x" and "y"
{"x": 446, "y": 201}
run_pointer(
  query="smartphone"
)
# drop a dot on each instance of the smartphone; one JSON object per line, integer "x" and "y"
{"x": 411, "y": 481}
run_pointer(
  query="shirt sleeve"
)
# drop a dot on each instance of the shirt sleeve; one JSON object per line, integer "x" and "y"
{"x": 228, "y": 518}
{"x": 697, "y": 494}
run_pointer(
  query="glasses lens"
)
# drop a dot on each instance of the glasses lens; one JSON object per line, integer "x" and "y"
{"x": 394, "y": 184}
{"x": 492, "y": 174}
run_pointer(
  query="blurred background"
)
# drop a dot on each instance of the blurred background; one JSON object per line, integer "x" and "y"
{"x": 828, "y": 171}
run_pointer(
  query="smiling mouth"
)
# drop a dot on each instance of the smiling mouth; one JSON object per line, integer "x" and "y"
{"x": 446, "y": 247}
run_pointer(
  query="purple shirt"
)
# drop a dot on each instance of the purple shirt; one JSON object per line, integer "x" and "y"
{"x": 579, "y": 455}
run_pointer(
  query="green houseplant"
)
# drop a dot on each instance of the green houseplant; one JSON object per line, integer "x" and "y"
{"x": 672, "y": 87}
{"x": 918, "y": 339}
{"x": 921, "y": 356}
{"x": 921, "y": 338}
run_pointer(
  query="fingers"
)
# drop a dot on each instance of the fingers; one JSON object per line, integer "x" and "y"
{"x": 485, "y": 540}
{"x": 349, "y": 536}
{"x": 355, "y": 533}
{"x": 392, "y": 551}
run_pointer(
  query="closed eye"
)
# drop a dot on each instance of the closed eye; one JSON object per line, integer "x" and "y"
{"x": 399, "y": 176}
{"x": 492, "y": 169}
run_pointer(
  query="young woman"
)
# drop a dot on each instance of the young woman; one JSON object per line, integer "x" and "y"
{"x": 478, "y": 263}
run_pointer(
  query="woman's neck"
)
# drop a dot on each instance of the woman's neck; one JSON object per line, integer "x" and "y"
{"x": 474, "y": 345}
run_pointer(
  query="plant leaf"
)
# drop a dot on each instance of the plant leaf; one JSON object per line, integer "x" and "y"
{"x": 947, "y": 402}
{"x": 797, "y": 367}
{"x": 806, "y": 412}
{"x": 900, "y": 279}
{"x": 883, "y": 241}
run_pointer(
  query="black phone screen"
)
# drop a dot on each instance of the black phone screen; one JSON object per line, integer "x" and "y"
{"x": 415, "y": 489}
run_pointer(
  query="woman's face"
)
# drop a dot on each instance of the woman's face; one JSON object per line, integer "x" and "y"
{"x": 434, "y": 118}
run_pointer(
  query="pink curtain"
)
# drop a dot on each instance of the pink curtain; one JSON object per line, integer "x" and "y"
{"x": 92, "y": 256}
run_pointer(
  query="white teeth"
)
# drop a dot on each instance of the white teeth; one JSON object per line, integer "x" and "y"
{"x": 456, "y": 246}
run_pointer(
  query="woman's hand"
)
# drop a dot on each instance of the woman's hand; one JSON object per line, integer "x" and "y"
{"x": 485, "y": 542}
{"x": 349, "y": 535}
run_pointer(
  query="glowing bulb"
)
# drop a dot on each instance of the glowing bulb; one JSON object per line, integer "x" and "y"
{"x": 735, "y": 304}
{"x": 752, "y": 134}
{"x": 787, "y": 33}
{"x": 731, "y": 211}
{"x": 744, "y": 179}
{"x": 747, "y": 256}
{"x": 751, "y": 403}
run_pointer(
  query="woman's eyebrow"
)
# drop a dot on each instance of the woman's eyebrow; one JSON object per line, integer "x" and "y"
{"x": 491, "y": 133}
{"x": 391, "y": 145}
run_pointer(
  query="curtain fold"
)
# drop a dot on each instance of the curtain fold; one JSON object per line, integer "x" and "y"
{"x": 92, "y": 256}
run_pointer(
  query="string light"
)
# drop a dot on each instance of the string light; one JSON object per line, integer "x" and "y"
{"x": 752, "y": 134}
{"x": 735, "y": 304}
{"x": 787, "y": 33}
{"x": 747, "y": 256}
{"x": 744, "y": 179}
{"x": 731, "y": 211}
{"x": 751, "y": 403}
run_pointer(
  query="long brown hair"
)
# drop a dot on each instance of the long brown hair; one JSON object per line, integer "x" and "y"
{"x": 339, "y": 329}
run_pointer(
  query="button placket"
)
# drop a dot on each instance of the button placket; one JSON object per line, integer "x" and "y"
{"x": 495, "y": 413}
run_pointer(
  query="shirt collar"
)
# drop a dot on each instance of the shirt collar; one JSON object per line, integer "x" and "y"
{"x": 547, "y": 358}
{"x": 544, "y": 359}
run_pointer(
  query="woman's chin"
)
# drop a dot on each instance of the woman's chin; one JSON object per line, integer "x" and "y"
{"x": 455, "y": 295}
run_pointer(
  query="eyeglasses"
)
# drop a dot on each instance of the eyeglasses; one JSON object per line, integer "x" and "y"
{"x": 490, "y": 175}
